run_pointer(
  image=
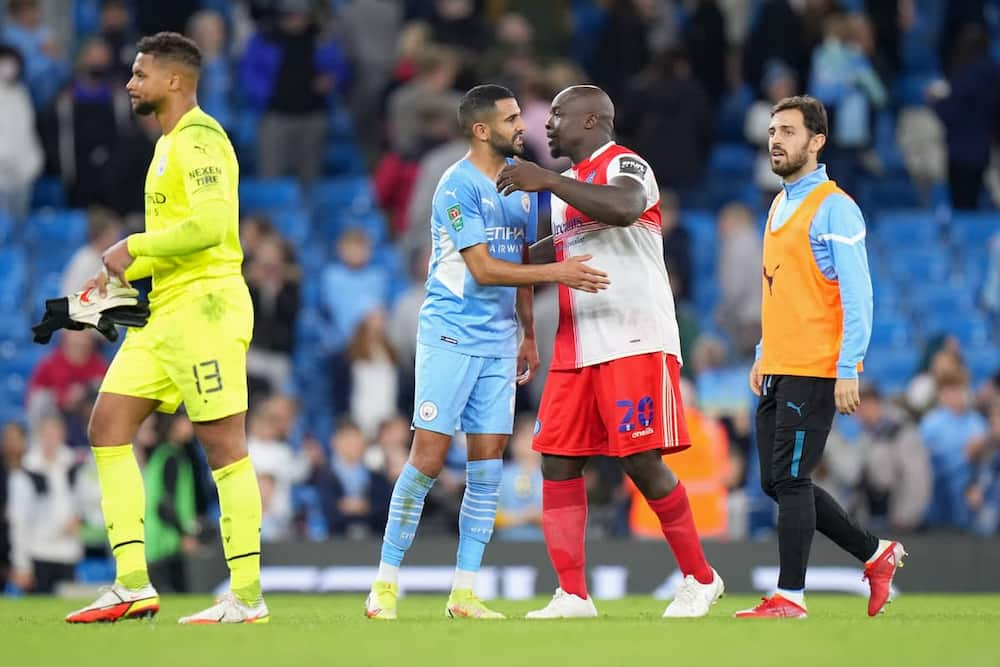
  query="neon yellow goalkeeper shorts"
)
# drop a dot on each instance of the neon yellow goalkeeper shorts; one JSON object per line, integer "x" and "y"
{"x": 195, "y": 353}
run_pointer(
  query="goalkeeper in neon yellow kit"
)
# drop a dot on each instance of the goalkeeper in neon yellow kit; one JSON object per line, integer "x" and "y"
{"x": 193, "y": 348}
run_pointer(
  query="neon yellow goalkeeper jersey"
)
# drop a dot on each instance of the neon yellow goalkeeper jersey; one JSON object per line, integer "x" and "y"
{"x": 191, "y": 244}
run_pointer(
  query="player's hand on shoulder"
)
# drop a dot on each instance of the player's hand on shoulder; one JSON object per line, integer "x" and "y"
{"x": 116, "y": 259}
{"x": 574, "y": 273}
{"x": 524, "y": 176}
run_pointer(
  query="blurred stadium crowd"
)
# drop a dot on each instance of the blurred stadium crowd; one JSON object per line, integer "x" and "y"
{"x": 342, "y": 113}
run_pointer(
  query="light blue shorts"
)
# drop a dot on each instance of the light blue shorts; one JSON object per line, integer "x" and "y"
{"x": 455, "y": 391}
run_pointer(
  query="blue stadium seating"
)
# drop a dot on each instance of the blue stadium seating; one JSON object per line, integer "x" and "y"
{"x": 293, "y": 224}
{"x": 48, "y": 192}
{"x": 269, "y": 195}
{"x": 732, "y": 160}
{"x": 891, "y": 332}
{"x": 939, "y": 297}
{"x": 890, "y": 367}
{"x": 983, "y": 362}
{"x": 353, "y": 194}
{"x": 919, "y": 266}
{"x": 969, "y": 228}
{"x": 905, "y": 227}
{"x": 968, "y": 326}
{"x": 58, "y": 228}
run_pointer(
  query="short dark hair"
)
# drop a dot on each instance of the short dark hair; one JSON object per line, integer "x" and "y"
{"x": 479, "y": 100}
{"x": 173, "y": 46}
{"x": 813, "y": 112}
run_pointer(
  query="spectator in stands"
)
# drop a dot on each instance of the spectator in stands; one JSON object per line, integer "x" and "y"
{"x": 666, "y": 116}
{"x": 116, "y": 30}
{"x": 62, "y": 378}
{"x": 374, "y": 374}
{"x": 130, "y": 163}
{"x": 13, "y": 445}
{"x": 457, "y": 23}
{"x": 152, "y": 16}
{"x": 254, "y": 231}
{"x": 969, "y": 106}
{"x": 430, "y": 94}
{"x": 84, "y": 127}
{"x": 44, "y": 511}
{"x": 777, "y": 84}
{"x": 778, "y": 34}
{"x": 354, "y": 274}
{"x": 844, "y": 79}
{"x": 706, "y": 42}
{"x": 208, "y": 30}
{"x": 406, "y": 310}
{"x": 676, "y": 247}
{"x": 519, "y": 509}
{"x": 290, "y": 73}
{"x": 21, "y": 157}
{"x": 171, "y": 509}
{"x": 983, "y": 495}
{"x": 512, "y": 55}
{"x": 274, "y": 459}
{"x": 274, "y": 291}
{"x": 44, "y": 68}
{"x": 622, "y": 50}
{"x": 896, "y": 475}
{"x": 103, "y": 230}
{"x": 955, "y": 436}
{"x": 740, "y": 248}
{"x": 432, "y": 166}
{"x": 355, "y": 500}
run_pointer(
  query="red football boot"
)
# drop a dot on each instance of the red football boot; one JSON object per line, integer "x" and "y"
{"x": 879, "y": 574}
{"x": 774, "y": 607}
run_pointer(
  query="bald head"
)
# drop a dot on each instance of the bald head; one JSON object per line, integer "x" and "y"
{"x": 582, "y": 119}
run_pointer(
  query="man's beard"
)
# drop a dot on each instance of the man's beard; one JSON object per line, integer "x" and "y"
{"x": 792, "y": 163}
{"x": 506, "y": 148}
{"x": 145, "y": 108}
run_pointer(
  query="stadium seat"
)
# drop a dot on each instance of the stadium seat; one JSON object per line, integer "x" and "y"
{"x": 919, "y": 266}
{"x": 58, "y": 228}
{"x": 269, "y": 195}
{"x": 731, "y": 159}
{"x": 968, "y": 326}
{"x": 293, "y": 224}
{"x": 890, "y": 367}
{"x": 939, "y": 297}
{"x": 983, "y": 362}
{"x": 905, "y": 227}
{"x": 6, "y": 227}
{"x": 48, "y": 192}
{"x": 353, "y": 194}
{"x": 973, "y": 228}
{"x": 891, "y": 332}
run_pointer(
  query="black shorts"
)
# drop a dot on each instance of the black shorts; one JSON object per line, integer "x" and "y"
{"x": 794, "y": 418}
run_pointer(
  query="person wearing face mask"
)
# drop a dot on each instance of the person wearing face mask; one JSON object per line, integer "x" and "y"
{"x": 84, "y": 127}
{"x": 20, "y": 151}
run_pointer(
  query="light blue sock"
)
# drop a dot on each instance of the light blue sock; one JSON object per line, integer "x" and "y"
{"x": 479, "y": 511}
{"x": 404, "y": 514}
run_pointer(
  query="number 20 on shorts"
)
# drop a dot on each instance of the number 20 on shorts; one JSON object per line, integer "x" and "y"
{"x": 636, "y": 412}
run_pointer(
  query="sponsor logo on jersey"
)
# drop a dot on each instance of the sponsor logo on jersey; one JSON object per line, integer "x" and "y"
{"x": 629, "y": 165}
{"x": 203, "y": 176}
{"x": 644, "y": 432}
{"x": 455, "y": 217}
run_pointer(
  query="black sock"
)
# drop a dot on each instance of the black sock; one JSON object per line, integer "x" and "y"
{"x": 796, "y": 525}
{"x": 835, "y": 523}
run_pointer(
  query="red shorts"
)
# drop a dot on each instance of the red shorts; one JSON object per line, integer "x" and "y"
{"x": 618, "y": 408}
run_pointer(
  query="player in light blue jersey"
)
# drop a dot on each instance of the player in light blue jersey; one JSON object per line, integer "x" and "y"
{"x": 468, "y": 355}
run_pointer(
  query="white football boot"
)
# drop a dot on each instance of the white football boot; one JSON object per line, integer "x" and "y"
{"x": 565, "y": 605}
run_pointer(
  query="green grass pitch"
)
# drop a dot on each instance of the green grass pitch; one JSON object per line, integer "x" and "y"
{"x": 918, "y": 630}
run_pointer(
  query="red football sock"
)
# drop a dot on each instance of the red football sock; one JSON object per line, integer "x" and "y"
{"x": 564, "y": 522}
{"x": 677, "y": 524}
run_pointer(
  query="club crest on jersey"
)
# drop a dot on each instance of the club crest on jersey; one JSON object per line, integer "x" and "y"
{"x": 428, "y": 411}
{"x": 525, "y": 202}
{"x": 161, "y": 165}
{"x": 455, "y": 217}
{"x": 590, "y": 177}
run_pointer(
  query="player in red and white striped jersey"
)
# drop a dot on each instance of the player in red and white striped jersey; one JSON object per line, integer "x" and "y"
{"x": 612, "y": 388}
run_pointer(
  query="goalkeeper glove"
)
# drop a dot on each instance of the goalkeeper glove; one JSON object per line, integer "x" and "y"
{"x": 121, "y": 306}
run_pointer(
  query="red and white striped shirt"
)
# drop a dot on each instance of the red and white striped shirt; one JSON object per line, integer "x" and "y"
{"x": 635, "y": 314}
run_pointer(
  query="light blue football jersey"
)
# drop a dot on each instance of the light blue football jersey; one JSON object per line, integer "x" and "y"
{"x": 458, "y": 313}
